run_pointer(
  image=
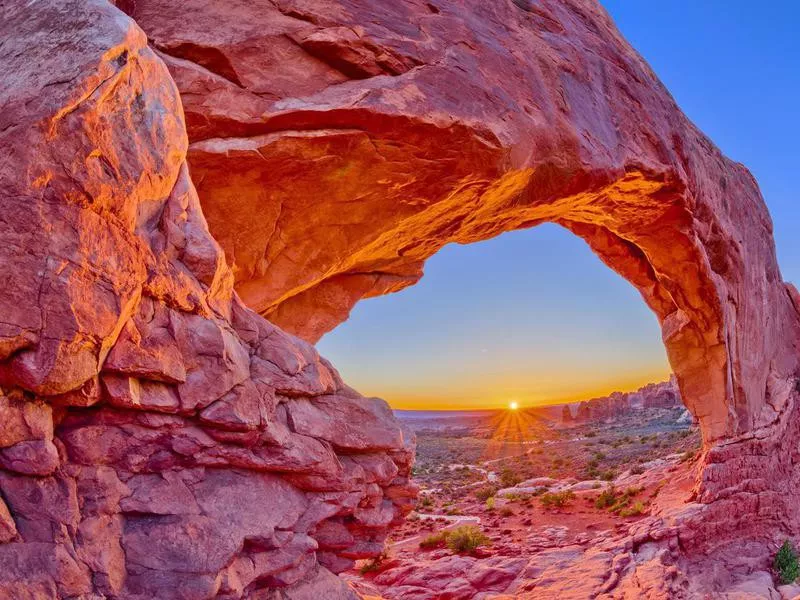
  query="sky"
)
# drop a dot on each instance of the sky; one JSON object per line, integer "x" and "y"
{"x": 533, "y": 316}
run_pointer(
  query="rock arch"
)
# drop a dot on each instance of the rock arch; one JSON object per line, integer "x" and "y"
{"x": 335, "y": 146}
{"x": 385, "y": 131}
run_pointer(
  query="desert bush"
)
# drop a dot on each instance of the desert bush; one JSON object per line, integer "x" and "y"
{"x": 607, "y": 498}
{"x": 637, "y": 470}
{"x": 517, "y": 497}
{"x": 634, "y": 510}
{"x": 434, "y": 540}
{"x": 786, "y": 564}
{"x": 466, "y": 539}
{"x": 426, "y": 502}
{"x": 485, "y": 492}
{"x": 506, "y": 511}
{"x": 374, "y": 564}
{"x": 509, "y": 478}
{"x": 556, "y": 499}
{"x": 490, "y": 503}
{"x": 607, "y": 475}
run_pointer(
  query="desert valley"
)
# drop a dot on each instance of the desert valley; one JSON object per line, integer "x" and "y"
{"x": 541, "y": 494}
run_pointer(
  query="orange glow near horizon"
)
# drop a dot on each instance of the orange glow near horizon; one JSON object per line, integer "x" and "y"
{"x": 490, "y": 324}
{"x": 494, "y": 395}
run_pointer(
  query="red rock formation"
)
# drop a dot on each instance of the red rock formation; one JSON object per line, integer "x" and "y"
{"x": 620, "y": 404}
{"x": 162, "y": 440}
{"x": 158, "y": 439}
{"x": 337, "y": 145}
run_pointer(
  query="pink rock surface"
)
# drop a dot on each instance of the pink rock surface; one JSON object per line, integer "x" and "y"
{"x": 332, "y": 165}
{"x": 161, "y": 439}
{"x": 158, "y": 439}
{"x": 339, "y": 145}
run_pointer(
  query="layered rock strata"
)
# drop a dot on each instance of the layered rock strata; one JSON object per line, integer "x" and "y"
{"x": 158, "y": 439}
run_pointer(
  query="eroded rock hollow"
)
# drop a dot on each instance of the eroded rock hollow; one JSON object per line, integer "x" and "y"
{"x": 160, "y": 438}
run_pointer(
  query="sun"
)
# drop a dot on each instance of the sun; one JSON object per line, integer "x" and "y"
{"x": 513, "y": 405}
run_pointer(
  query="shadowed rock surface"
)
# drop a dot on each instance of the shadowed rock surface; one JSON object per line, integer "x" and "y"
{"x": 161, "y": 439}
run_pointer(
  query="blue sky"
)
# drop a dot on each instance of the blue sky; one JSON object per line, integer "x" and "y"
{"x": 534, "y": 316}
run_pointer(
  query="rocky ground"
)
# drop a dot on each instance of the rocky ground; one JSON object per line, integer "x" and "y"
{"x": 614, "y": 479}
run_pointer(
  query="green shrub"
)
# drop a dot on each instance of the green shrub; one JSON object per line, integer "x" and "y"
{"x": 374, "y": 564}
{"x": 490, "y": 503}
{"x": 517, "y": 497}
{"x": 466, "y": 539}
{"x": 634, "y": 510}
{"x": 508, "y": 478}
{"x": 786, "y": 565}
{"x": 608, "y": 475}
{"x": 462, "y": 539}
{"x": 434, "y": 540}
{"x": 607, "y": 498}
{"x": 556, "y": 499}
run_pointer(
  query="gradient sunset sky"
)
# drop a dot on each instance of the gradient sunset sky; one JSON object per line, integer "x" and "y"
{"x": 534, "y": 316}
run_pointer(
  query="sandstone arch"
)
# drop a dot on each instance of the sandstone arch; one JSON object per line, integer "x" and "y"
{"x": 133, "y": 376}
{"x": 372, "y": 134}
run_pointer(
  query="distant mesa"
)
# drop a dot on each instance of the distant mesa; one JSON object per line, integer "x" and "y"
{"x": 620, "y": 404}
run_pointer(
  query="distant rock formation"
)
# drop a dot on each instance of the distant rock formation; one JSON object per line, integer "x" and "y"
{"x": 620, "y": 404}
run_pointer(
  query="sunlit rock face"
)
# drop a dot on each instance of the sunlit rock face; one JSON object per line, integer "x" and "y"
{"x": 337, "y": 145}
{"x": 621, "y": 404}
{"x": 158, "y": 439}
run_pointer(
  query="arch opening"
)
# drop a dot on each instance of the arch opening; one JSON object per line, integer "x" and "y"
{"x": 531, "y": 317}
{"x": 503, "y": 347}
